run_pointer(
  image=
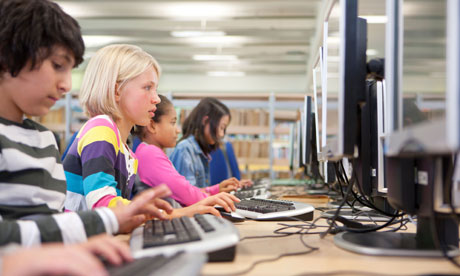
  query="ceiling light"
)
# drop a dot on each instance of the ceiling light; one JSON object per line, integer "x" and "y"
{"x": 101, "y": 40}
{"x": 196, "y": 33}
{"x": 198, "y": 10}
{"x": 375, "y": 19}
{"x": 372, "y": 52}
{"x": 215, "y": 57}
{"x": 226, "y": 74}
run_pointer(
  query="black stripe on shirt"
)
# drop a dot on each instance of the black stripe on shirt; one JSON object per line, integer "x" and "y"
{"x": 17, "y": 212}
{"x": 92, "y": 222}
{"x": 9, "y": 232}
{"x": 49, "y": 229}
{"x": 34, "y": 177}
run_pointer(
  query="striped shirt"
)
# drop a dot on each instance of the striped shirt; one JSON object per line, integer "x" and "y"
{"x": 99, "y": 168}
{"x": 33, "y": 189}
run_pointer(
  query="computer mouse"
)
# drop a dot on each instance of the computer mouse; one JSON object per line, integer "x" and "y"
{"x": 233, "y": 217}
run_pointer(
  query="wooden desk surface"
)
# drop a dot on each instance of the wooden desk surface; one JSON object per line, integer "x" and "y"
{"x": 328, "y": 258}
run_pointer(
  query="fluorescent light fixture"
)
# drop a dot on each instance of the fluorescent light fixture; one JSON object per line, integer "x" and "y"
{"x": 372, "y": 52}
{"x": 198, "y": 10}
{"x": 375, "y": 19}
{"x": 215, "y": 57}
{"x": 101, "y": 40}
{"x": 196, "y": 33}
{"x": 226, "y": 74}
{"x": 220, "y": 40}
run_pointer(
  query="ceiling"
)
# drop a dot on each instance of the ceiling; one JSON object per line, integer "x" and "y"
{"x": 217, "y": 42}
{"x": 250, "y": 45}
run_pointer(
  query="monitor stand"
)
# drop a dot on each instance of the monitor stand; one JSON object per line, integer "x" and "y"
{"x": 420, "y": 244}
{"x": 365, "y": 215}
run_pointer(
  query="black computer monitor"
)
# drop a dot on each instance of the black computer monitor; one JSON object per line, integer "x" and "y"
{"x": 345, "y": 54}
{"x": 307, "y": 128}
{"x": 309, "y": 142}
{"x": 420, "y": 150}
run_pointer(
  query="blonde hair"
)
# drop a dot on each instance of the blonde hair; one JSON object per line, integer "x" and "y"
{"x": 110, "y": 66}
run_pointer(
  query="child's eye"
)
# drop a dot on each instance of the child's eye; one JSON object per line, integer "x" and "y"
{"x": 148, "y": 87}
{"x": 57, "y": 66}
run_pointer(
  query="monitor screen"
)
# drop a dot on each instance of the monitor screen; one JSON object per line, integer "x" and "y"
{"x": 423, "y": 79}
{"x": 317, "y": 100}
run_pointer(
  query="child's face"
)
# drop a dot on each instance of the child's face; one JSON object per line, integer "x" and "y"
{"x": 34, "y": 92}
{"x": 220, "y": 132}
{"x": 138, "y": 98}
{"x": 166, "y": 130}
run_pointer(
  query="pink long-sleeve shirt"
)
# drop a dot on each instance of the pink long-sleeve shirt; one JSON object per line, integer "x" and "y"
{"x": 155, "y": 168}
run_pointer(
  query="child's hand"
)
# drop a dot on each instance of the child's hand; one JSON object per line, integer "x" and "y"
{"x": 147, "y": 204}
{"x": 113, "y": 250}
{"x": 52, "y": 259}
{"x": 246, "y": 182}
{"x": 229, "y": 185}
{"x": 207, "y": 206}
{"x": 225, "y": 200}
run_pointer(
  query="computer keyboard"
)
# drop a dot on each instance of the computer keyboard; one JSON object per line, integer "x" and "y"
{"x": 268, "y": 209}
{"x": 260, "y": 189}
{"x": 250, "y": 193}
{"x": 201, "y": 233}
{"x": 179, "y": 264}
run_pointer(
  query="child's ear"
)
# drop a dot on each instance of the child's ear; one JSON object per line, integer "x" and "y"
{"x": 151, "y": 127}
{"x": 205, "y": 120}
{"x": 117, "y": 93}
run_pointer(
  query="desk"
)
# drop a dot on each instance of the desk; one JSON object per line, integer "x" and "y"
{"x": 328, "y": 258}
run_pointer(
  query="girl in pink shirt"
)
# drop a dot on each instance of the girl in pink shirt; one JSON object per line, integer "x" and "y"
{"x": 156, "y": 168}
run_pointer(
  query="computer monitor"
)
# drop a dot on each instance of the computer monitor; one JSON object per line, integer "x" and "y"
{"x": 307, "y": 131}
{"x": 420, "y": 149}
{"x": 345, "y": 78}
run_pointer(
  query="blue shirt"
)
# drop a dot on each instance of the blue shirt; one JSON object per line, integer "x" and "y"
{"x": 191, "y": 162}
{"x": 223, "y": 165}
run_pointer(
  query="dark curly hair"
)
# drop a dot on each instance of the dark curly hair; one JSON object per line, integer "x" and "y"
{"x": 29, "y": 31}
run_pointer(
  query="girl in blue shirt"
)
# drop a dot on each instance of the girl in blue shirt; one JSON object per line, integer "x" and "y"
{"x": 203, "y": 131}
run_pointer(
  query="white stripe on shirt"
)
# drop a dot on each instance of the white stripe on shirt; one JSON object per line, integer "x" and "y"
{"x": 29, "y": 137}
{"x": 27, "y": 195}
{"x": 30, "y": 235}
{"x": 94, "y": 196}
{"x": 72, "y": 228}
{"x": 109, "y": 219}
{"x": 75, "y": 202}
{"x": 13, "y": 160}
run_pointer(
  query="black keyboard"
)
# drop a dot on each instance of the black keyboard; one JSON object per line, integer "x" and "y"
{"x": 177, "y": 264}
{"x": 242, "y": 194}
{"x": 268, "y": 209}
{"x": 264, "y": 205}
{"x": 178, "y": 230}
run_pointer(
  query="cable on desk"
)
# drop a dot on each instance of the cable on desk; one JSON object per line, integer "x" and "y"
{"x": 309, "y": 225}
{"x": 253, "y": 265}
{"x": 279, "y": 234}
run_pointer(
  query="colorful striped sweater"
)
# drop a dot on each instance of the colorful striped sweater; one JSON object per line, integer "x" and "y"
{"x": 99, "y": 168}
{"x": 33, "y": 190}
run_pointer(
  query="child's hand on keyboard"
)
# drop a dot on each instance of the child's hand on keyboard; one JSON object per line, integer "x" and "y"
{"x": 113, "y": 250}
{"x": 246, "y": 183}
{"x": 144, "y": 206}
{"x": 229, "y": 185}
{"x": 206, "y": 206}
{"x": 224, "y": 200}
{"x": 52, "y": 259}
